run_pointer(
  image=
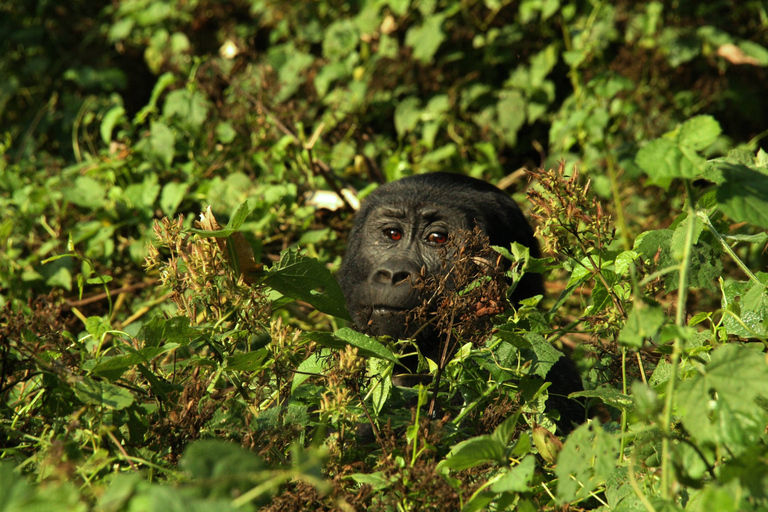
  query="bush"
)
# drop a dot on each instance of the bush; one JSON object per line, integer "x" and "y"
{"x": 152, "y": 359}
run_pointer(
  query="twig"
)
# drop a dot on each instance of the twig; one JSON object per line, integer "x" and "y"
{"x": 103, "y": 295}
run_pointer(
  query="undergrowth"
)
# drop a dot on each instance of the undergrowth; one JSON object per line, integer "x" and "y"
{"x": 151, "y": 359}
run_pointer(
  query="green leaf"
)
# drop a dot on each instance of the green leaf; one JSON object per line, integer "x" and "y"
{"x": 171, "y": 197}
{"x": 214, "y": 458}
{"x": 329, "y": 74}
{"x": 225, "y": 132}
{"x": 427, "y": 38}
{"x": 440, "y": 154}
{"x": 705, "y": 262}
{"x": 663, "y": 159}
{"x": 98, "y": 392}
{"x": 646, "y": 400}
{"x": 542, "y": 64}
{"x": 119, "y": 491}
{"x": 504, "y": 432}
{"x": 381, "y": 383}
{"x": 232, "y": 226}
{"x": 610, "y": 396}
{"x": 99, "y": 280}
{"x": 624, "y": 261}
{"x": 756, "y": 51}
{"x": 367, "y": 346}
{"x": 718, "y": 404}
{"x": 619, "y": 494}
{"x": 160, "y": 145}
{"x": 87, "y": 193}
{"x": 189, "y": 108}
{"x": 19, "y": 496}
{"x": 748, "y": 301}
{"x": 96, "y": 327}
{"x": 111, "y": 118}
{"x": 165, "y": 81}
{"x": 473, "y": 452}
{"x": 341, "y": 39}
{"x": 159, "y": 331}
{"x": 717, "y": 497}
{"x": 303, "y": 278}
{"x": 744, "y": 195}
{"x": 108, "y": 365}
{"x": 643, "y": 322}
{"x": 517, "y": 479}
{"x": 510, "y": 115}
{"x": 546, "y": 354}
{"x": 247, "y": 362}
{"x": 586, "y": 461}
{"x": 315, "y": 364}
{"x": 677, "y": 243}
{"x": 142, "y": 196}
{"x": 378, "y": 481}
{"x": 291, "y": 64}
{"x": 699, "y": 132}
{"x": 480, "y": 501}
{"x": 407, "y": 114}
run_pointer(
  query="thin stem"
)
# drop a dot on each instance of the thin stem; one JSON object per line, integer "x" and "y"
{"x": 623, "y": 410}
{"x": 636, "y": 487}
{"x": 616, "y": 193}
{"x": 679, "y": 343}
{"x": 727, "y": 248}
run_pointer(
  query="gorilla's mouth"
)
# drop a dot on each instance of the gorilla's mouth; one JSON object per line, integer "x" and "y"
{"x": 387, "y": 320}
{"x": 383, "y": 309}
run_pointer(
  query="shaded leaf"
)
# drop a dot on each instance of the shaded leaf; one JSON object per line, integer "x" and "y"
{"x": 744, "y": 194}
{"x": 171, "y": 330}
{"x": 367, "y": 346}
{"x": 144, "y": 355}
{"x": 473, "y": 452}
{"x": 98, "y": 392}
{"x": 718, "y": 403}
{"x": 517, "y": 479}
{"x": 587, "y": 460}
{"x": 303, "y": 278}
{"x": 643, "y": 322}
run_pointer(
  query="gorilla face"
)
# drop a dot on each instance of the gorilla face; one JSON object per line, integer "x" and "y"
{"x": 401, "y": 235}
{"x": 413, "y": 230}
{"x": 404, "y": 242}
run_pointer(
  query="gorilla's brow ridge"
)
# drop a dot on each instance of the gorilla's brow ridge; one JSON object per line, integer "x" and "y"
{"x": 398, "y": 213}
{"x": 431, "y": 214}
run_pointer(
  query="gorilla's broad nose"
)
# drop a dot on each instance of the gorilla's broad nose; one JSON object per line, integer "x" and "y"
{"x": 395, "y": 271}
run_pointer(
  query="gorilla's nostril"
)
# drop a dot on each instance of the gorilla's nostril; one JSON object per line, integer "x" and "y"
{"x": 386, "y": 276}
{"x": 399, "y": 277}
{"x": 383, "y": 276}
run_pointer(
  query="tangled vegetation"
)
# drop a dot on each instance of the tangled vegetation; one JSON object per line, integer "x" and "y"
{"x": 151, "y": 359}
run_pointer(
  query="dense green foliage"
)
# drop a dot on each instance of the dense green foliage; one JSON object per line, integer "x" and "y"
{"x": 151, "y": 362}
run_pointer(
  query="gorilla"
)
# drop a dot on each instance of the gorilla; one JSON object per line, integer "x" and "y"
{"x": 401, "y": 236}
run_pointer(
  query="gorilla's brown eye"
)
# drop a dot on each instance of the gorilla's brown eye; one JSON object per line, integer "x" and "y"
{"x": 437, "y": 238}
{"x": 393, "y": 234}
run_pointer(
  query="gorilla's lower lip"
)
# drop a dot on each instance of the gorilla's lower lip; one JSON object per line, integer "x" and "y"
{"x": 388, "y": 309}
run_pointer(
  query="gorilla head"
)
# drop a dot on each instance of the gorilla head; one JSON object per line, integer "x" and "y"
{"x": 400, "y": 235}
{"x": 400, "y": 239}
